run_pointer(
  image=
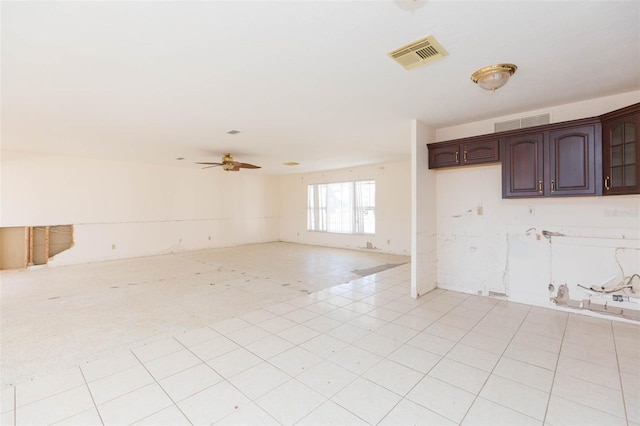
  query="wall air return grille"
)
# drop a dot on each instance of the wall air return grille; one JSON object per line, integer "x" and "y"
{"x": 521, "y": 123}
{"x": 418, "y": 53}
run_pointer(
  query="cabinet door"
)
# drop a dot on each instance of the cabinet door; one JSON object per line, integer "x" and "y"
{"x": 480, "y": 152}
{"x": 444, "y": 156}
{"x": 523, "y": 166}
{"x": 572, "y": 161}
{"x": 621, "y": 155}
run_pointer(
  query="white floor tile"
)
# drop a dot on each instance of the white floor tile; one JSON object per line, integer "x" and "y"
{"x": 484, "y": 412}
{"x": 562, "y": 412}
{"x": 393, "y": 376}
{"x": 190, "y": 381}
{"x": 540, "y": 358}
{"x": 524, "y": 373}
{"x": 366, "y": 400}
{"x": 324, "y": 345}
{"x": 415, "y": 358}
{"x": 327, "y": 378}
{"x": 410, "y": 413}
{"x": 342, "y": 315}
{"x": 298, "y": 334}
{"x": 213, "y": 404}
{"x": 397, "y": 332}
{"x": 89, "y": 417}
{"x": 172, "y": 363}
{"x": 248, "y": 415}
{"x": 322, "y": 323}
{"x": 594, "y": 373}
{"x": 445, "y": 331}
{"x": 109, "y": 365}
{"x": 355, "y": 359}
{"x": 377, "y": 344}
{"x": 586, "y": 393}
{"x": 247, "y": 335}
{"x": 484, "y": 342}
{"x": 213, "y": 348}
{"x": 269, "y": 347}
{"x": 55, "y": 408}
{"x": 7, "y": 399}
{"x": 290, "y": 402}
{"x": 295, "y": 361}
{"x": 461, "y": 375}
{"x": 442, "y": 398}
{"x": 120, "y": 383}
{"x": 330, "y": 413}
{"x": 474, "y": 357}
{"x": 348, "y": 333}
{"x": 37, "y": 389}
{"x": 234, "y": 362}
{"x": 134, "y": 406}
{"x": 432, "y": 343}
{"x": 524, "y": 399}
{"x": 170, "y": 416}
{"x": 259, "y": 379}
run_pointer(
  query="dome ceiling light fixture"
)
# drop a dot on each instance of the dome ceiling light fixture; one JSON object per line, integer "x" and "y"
{"x": 494, "y": 76}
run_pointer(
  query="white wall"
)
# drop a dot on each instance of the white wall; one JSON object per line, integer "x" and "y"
{"x": 486, "y": 243}
{"x": 393, "y": 208}
{"x": 424, "y": 223}
{"x": 138, "y": 209}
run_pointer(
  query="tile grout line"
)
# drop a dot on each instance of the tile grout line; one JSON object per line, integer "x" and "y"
{"x": 497, "y": 362}
{"x": 555, "y": 370}
{"x": 91, "y": 394}
{"x": 624, "y": 401}
{"x": 160, "y": 386}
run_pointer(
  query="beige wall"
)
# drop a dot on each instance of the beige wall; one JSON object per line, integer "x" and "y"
{"x": 393, "y": 208}
{"x": 124, "y": 210}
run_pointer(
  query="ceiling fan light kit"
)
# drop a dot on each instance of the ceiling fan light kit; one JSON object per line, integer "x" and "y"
{"x": 493, "y": 77}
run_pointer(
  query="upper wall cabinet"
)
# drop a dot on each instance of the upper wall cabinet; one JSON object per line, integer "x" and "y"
{"x": 463, "y": 152}
{"x": 558, "y": 160}
{"x": 620, "y": 153}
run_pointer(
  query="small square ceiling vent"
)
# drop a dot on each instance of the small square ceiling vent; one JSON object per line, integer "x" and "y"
{"x": 418, "y": 53}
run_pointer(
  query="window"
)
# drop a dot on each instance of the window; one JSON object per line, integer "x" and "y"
{"x": 343, "y": 207}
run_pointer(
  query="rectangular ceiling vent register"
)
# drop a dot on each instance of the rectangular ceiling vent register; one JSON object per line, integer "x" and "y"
{"x": 418, "y": 53}
{"x": 522, "y": 123}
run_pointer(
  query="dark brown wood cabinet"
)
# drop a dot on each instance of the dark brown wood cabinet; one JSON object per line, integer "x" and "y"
{"x": 464, "y": 152}
{"x": 558, "y": 160}
{"x": 620, "y": 151}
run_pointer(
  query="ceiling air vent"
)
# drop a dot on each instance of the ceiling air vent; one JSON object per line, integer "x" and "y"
{"x": 418, "y": 53}
{"x": 521, "y": 123}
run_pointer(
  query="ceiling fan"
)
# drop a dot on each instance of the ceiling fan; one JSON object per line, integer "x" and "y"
{"x": 230, "y": 165}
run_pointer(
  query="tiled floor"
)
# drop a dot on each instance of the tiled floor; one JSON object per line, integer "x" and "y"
{"x": 358, "y": 353}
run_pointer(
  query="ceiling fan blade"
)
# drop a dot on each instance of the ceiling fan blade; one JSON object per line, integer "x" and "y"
{"x": 208, "y": 167}
{"x": 212, "y": 164}
{"x": 246, "y": 166}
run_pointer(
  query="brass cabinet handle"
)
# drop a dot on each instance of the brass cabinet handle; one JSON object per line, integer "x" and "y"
{"x": 607, "y": 183}
{"x": 540, "y": 186}
{"x": 457, "y": 156}
{"x": 553, "y": 186}
{"x": 464, "y": 157}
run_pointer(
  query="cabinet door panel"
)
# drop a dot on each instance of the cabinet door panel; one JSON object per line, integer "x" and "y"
{"x": 621, "y": 154}
{"x": 522, "y": 166}
{"x": 444, "y": 156}
{"x": 572, "y": 165}
{"x": 483, "y": 152}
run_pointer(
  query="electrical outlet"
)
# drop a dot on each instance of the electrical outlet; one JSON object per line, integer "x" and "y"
{"x": 532, "y": 211}
{"x": 113, "y": 246}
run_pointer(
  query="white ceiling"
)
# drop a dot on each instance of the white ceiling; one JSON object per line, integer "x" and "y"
{"x": 305, "y": 81}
